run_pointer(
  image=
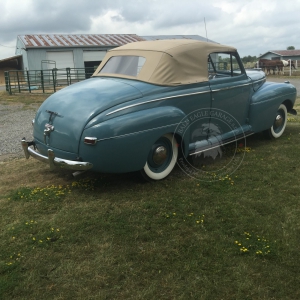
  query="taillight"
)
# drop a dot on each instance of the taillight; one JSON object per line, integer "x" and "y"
{"x": 90, "y": 140}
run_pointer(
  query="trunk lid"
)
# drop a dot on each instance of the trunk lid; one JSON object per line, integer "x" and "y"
{"x": 66, "y": 112}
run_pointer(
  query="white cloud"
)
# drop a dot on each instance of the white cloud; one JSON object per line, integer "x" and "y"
{"x": 252, "y": 26}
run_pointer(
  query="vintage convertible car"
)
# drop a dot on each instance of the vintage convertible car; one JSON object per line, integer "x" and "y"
{"x": 149, "y": 102}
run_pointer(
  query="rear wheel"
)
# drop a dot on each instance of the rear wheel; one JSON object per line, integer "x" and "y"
{"x": 279, "y": 123}
{"x": 161, "y": 158}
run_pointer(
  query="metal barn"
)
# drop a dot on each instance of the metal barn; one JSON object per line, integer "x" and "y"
{"x": 60, "y": 51}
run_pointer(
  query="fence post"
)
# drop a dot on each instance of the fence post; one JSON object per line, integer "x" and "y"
{"x": 68, "y": 76}
{"x": 22, "y": 79}
{"x": 54, "y": 79}
{"x": 18, "y": 82}
{"x": 42, "y": 81}
{"x": 28, "y": 81}
{"x": 7, "y": 82}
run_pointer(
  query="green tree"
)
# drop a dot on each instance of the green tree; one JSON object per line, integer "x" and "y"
{"x": 290, "y": 48}
{"x": 249, "y": 58}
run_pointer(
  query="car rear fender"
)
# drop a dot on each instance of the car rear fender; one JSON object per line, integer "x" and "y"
{"x": 126, "y": 132}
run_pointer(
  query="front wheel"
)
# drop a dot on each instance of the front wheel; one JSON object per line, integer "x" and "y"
{"x": 279, "y": 123}
{"x": 161, "y": 158}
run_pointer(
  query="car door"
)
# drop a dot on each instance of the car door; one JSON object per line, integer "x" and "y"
{"x": 230, "y": 95}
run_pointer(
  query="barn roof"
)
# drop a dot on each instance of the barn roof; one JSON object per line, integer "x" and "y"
{"x": 81, "y": 40}
{"x": 284, "y": 52}
{"x": 10, "y": 58}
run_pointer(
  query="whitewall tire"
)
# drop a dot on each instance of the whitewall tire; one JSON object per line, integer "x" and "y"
{"x": 161, "y": 158}
{"x": 279, "y": 123}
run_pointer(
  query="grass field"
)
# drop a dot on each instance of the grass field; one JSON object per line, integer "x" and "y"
{"x": 105, "y": 236}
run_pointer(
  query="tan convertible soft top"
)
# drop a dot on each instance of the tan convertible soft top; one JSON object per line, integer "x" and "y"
{"x": 168, "y": 62}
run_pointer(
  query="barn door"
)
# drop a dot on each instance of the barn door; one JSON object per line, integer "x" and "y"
{"x": 63, "y": 60}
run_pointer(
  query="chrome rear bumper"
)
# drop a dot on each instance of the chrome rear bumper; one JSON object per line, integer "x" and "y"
{"x": 53, "y": 161}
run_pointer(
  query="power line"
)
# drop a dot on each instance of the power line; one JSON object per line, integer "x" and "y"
{"x": 6, "y": 46}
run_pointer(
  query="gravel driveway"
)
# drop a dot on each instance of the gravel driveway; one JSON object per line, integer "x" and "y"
{"x": 15, "y": 123}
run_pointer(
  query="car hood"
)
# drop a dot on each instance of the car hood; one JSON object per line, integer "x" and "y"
{"x": 258, "y": 78}
{"x": 70, "y": 109}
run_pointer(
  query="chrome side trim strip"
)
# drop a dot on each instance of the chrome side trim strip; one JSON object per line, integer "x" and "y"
{"x": 154, "y": 100}
{"x": 172, "y": 97}
{"x": 231, "y": 87}
{"x": 255, "y": 81}
{"x": 138, "y": 132}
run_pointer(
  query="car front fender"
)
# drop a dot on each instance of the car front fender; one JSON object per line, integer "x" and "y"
{"x": 265, "y": 102}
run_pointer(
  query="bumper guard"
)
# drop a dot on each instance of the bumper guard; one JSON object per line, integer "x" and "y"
{"x": 53, "y": 161}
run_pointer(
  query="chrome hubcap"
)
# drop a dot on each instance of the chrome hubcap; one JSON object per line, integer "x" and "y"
{"x": 278, "y": 121}
{"x": 160, "y": 155}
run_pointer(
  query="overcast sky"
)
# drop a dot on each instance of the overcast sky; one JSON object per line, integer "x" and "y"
{"x": 252, "y": 26}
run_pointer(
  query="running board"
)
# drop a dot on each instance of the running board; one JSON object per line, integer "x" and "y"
{"x": 215, "y": 142}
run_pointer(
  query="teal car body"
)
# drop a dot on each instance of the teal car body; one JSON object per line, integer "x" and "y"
{"x": 123, "y": 121}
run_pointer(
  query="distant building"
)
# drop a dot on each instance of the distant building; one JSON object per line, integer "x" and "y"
{"x": 10, "y": 63}
{"x": 48, "y": 51}
{"x": 281, "y": 54}
{"x": 60, "y": 51}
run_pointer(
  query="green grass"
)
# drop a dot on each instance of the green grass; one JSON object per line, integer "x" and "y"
{"x": 104, "y": 236}
{"x": 20, "y": 99}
